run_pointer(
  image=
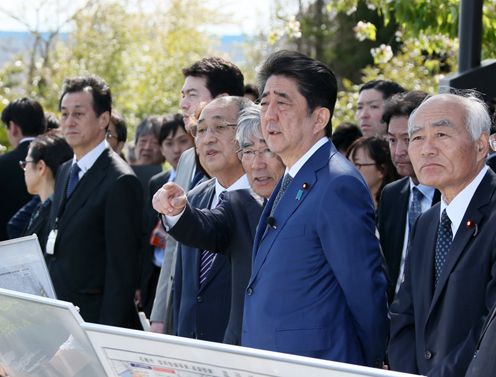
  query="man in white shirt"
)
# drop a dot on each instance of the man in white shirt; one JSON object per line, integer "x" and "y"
{"x": 404, "y": 200}
{"x": 450, "y": 271}
{"x": 202, "y": 282}
{"x": 96, "y": 217}
{"x": 317, "y": 287}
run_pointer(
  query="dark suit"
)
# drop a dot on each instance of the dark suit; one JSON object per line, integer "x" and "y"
{"x": 483, "y": 363}
{"x": 201, "y": 312}
{"x": 491, "y": 162}
{"x": 434, "y": 331}
{"x": 228, "y": 229}
{"x": 39, "y": 223}
{"x": 392, "y": 214}
{"x": 317, "y": 286}
{"x": 95, "y": 264}
{"x": 13, "y": 191}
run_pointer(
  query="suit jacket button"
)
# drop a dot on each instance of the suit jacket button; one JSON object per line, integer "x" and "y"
{"x": 249, "y": 291}
{"x": 428, "y": 355}
{"x": 199, "y": 298}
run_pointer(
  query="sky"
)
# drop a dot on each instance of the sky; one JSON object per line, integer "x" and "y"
{"x": 247, "y": 15}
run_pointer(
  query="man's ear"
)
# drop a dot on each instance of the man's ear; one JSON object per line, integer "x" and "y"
{"x": 104, "y": 120}
{"x": 322, "y": 116}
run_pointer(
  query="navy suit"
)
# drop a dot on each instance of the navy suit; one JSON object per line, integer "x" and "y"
{"x": 228, "y": 229}
{"x": 317, "y": 286}
{"x": 483, "y": 362}
{"x": 434, "y": 330}
{"x": 201, "y": 312}
{"x": 95, "y": 263}
{"x": 13, "y": 191}
{"x": 395, "y": 201}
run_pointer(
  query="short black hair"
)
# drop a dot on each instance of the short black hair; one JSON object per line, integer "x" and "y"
{"x": 28, "y": 114}
{"x": 221, "y": 75}
{"x": 52, "y": 148}
{"x": 253, "y": 90}
{"x": 402, "y": 104}
{"x": 387, "y": 88}
{"x": 100, "y": 91}
{"x": 120, "y": 126}
{"x": 344, "y": 135}
{"x": 170, "y": 125}
{"x": 52, "y": 122}
{"x": 315, "y": 81}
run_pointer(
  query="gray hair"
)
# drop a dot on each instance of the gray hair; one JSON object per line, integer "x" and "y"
{"x": 477, "y": 119}
{"x": 240, "y": 102}
{"x": 248, "y": 126}
{"x": 151, "y": 125}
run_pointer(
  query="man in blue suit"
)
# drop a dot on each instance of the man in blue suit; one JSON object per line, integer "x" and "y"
{"x": 317, "y": 286}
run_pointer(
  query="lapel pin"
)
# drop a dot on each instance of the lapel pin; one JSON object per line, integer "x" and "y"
{"x": 305, "y": 186}
{"x": 473, "y": 225}
{"x": 299, "y": 194}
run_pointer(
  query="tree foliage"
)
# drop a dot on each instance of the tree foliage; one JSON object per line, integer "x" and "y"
{"x": 139, "y": 53}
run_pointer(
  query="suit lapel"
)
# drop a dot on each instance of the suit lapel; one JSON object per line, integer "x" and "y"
{"x": 476, "y": 211}
{"x": 88, "y": 185}
{"x": 296, "y": 193}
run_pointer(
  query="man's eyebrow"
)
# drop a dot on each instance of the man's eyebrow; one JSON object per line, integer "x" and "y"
{"x": 442, "y": 123}
{"x": 279, "y": 94}
{"x": 370, "y": 102}
{"x": 75, "y": 106}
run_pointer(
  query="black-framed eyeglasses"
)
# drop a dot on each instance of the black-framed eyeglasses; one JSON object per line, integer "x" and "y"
{"x": 248, "y": 154}
{"x": 200, "y": 131}
{"x": 23, "y": 163}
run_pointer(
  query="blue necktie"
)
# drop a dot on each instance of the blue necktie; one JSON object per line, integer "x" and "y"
{"x": 285, "y": 183}
{"x": 415, "y": 209}
{"x": 73, "y": 179}
{"x": 443, "y": 244}
{"x": 207, "y": 257}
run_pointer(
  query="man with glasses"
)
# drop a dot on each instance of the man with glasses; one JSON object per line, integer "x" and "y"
{"x": 24, "y": 119}
{"x": 230, "y": 228}
{"x": 202, "y": 283}
{"x": 204, "y": 80}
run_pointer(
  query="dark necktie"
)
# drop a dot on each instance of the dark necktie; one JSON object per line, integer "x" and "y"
{"x": 285, "y": 183}
{"x": 443, "y": 244}
{"x": 207, "y": 257}
{"x": 73, "y": 179}
{"x": 415, "y": 209}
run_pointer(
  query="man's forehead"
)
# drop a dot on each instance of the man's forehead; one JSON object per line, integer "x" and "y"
{"x": 194, "y": 83}
{"x": 77, "y": 100}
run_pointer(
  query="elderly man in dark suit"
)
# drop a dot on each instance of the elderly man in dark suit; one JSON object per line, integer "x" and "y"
{"x": 450, "y": 273}
{"x": 202, "y": 283}
{"x": 404, "y": 200}
{"x": 230, "y": 228}
{"x": 24, "y": 119}
{"x": 96, "y": 217}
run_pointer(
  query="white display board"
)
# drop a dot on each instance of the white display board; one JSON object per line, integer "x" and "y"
{"x": 129, "y": 353}
{"x": 43, "y": 337}
{"x": 23, "y": 268}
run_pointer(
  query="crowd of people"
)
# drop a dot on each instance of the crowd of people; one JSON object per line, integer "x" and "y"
{"x": 369, "y": 245}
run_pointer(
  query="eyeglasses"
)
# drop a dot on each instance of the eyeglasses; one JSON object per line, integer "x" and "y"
{"x": 359, "y": 166}
{"x": 23, "y": 163}
{"x": 199, "y": 132}
{"x": 248, "y": 155}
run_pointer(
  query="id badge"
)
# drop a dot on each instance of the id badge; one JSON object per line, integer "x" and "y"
{"x": 50, "y": 246}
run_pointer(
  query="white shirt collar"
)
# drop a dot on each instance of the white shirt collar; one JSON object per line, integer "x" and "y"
{"x": 241, "y": 183}
{"x": 87, "y": 161}
{"x": 458, "y": 206}
{"x": 24, "y": 139}
{"x": 298, "y": 165}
